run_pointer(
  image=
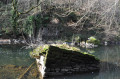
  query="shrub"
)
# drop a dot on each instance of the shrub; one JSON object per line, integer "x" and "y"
{"x": 93, "y": 40}
{"x": 29, "y": 25}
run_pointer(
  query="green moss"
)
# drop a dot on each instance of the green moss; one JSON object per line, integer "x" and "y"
{"x": 57, "y": 50}
{"x": 93, "y": 40}
{"x": 44, "y": 50}
{"x": 38, "y": 50}
{"x": 66, "y": 47}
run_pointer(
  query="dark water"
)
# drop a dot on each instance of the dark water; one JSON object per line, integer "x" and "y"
{"x": 109, "y": 67}
{"x": 14, "y": 61}
{"x": 15, "y": 55}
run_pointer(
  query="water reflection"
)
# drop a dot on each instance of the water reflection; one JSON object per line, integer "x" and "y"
{"x": 13, "y": 54}
{"x": 111, "y": 55}
{"x": 77, "y": 76}
{"x": 14, "y": 61}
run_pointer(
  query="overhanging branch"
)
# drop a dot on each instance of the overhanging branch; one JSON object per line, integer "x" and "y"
{"x": 31, "y": 9}
{"x": 19, "y": 13}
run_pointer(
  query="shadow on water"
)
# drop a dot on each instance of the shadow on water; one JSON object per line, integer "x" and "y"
{"x": 75, "y": 76}
{"x": 105, "y": 70}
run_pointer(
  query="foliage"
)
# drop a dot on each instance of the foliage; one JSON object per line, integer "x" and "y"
{"x": 7, "y": 30}
{"x": 35, "y": 22}
{"x": 41, "y": 19}
{"x": 77, "y": 38}
{"x": 1, "y": 4}
{"x": 91, "y": 18}
{"x": 93, "y": 40}
{"x": 15, "y": 17}
{"x": 29, "y": 25}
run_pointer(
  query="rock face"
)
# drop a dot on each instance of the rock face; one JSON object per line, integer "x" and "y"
{"x": 60, "y": 60}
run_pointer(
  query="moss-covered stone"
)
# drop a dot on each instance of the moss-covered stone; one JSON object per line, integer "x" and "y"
{"x": 40, "y": 49}
{"x": 44, "y": 49}
{"x": 66, "y": 59}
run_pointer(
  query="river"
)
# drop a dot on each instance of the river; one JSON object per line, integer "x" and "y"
{"x": 14, "y": 61}
{"x": 15, "y": 56}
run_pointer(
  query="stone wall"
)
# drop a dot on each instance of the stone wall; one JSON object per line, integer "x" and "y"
{"x": 62, "y": 59}
{"x": 62, "y": 62}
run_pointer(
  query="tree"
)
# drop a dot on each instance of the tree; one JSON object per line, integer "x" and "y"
{"x": 16, "y": 14}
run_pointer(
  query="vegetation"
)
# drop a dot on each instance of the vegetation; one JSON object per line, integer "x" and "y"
{"x": 76, "y": 16}
{"x": 38, "y": 50}
{"x": 16, "y": 14}
{"x": 74, "y": 22}
{"x": 93, "y": 40}
{"x": 44, "y": 49}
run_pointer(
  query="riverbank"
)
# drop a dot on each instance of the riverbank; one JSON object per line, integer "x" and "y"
{"x": 12, "y": 41}
{"x": 78, "y": 44}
